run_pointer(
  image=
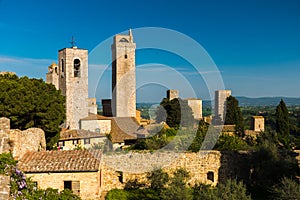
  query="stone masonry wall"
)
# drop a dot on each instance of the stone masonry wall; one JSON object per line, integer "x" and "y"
{"x": 120, "y": 168}
{"x": 19, "y": 142}
{"x": 89, "y": 182}
{"x": 4, "y": 187}
{"x": 32, "y": 139}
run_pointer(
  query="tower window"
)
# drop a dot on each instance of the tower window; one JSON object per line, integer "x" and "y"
{"x": 62, "y": 65}
{"x": 76, "y": 68}
{"x": 125, "y": 56}
{"x": 210, "y": 176}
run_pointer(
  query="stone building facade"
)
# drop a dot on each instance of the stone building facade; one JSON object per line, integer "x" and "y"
{"x": 196, "y": 106}
{"x": 123, "y": 76}
{"x": 220, "y": 100}
{"x": 71, "y": 77}
{"x": 78, "y": 170}
{"x": 258, "y": 123}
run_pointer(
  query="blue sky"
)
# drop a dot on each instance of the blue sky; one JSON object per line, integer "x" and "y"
{"x": 254, "y": 43}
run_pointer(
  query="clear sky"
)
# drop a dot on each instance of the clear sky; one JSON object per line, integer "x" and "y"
{"x": 254, "y": 43}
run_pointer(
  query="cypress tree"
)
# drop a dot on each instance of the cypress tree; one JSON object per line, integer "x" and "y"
{"x": 234, "y": 115}
{"x": 283, "y": 123}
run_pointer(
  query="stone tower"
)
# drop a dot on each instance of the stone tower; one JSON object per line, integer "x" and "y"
{"x": 196, "y": 106}
{"x": 123, "y": 76}
{"x": 220, "y": 100}
{"x": 73, "y": 83}
{"x": 258, "y": 123}
{"x": 172, "y": 94}
{"x": 53, "y": 75}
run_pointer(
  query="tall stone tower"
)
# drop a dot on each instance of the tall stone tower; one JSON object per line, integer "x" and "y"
{"x": 73, "y": 83}
{"x": 172, "y": 94}
{"x": 220, "y": 100}
{"x": 123, "y": 76}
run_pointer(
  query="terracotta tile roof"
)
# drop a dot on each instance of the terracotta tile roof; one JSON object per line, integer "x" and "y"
{"x": 123, "y": 128}
{"x": 95, "y": 117}
{"x": 78, "y": 134}
{"x": 61, "y": 161}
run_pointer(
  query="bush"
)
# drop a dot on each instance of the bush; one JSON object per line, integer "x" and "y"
{"x": 287, "y": 189}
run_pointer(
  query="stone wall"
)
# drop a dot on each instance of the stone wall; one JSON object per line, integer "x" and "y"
{"x": 103, "y": 125}
{"x": 4, "y": 187}
{"x": 32, "y": 139}
{"x": 19, "y": 142}
{"x": 89, "y": 182}
{"x": 118, "y": 169}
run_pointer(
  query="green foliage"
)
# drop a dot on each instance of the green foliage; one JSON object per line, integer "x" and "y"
{"x": 6, "y": 162}
{"x": 228, "y": 142}
{"x": 176, "y": 113}
{"x": 117, "y": 194}
{"x": 269, "y": 165}
{"x": 287, "y": 189}
{"x": 31, "y": 103}
{"x": 232, "y": 190}
{"x": 283, "y": 123}
{"x": 177, "y": 188}
{"x": 158, "y": 179}
{"x": 234, "y": 115}
{"x": 199, "y": 138}
{"x": 204, "y": 192}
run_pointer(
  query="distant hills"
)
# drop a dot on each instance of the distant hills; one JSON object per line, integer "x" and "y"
{"x": 247, "y": 101}
{"x": 262, "y": 101}
{"x": 267, "y": 101}
{"x": 243, "y": 101}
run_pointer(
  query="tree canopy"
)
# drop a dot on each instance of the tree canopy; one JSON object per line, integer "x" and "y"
{"x": 31, "y": 103}
{"x": 176, "y": 113}
{"x": 234, "y": 115}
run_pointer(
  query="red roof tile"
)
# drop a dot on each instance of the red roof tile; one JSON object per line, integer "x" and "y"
{"x": 61, "y": 161}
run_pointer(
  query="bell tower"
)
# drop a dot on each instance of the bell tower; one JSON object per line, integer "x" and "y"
{"x": 123, "y": 76}
{"x": 73, "y": 83}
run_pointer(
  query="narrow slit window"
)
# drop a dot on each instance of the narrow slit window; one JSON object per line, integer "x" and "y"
{"x": 62, "y": 65}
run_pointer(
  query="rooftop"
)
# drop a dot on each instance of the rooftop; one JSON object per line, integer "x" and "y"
{"x": 79, "y": 134}
{"x": 61, "y": 161}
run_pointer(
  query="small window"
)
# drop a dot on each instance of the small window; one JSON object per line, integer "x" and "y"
{"x": 76, "y": 68}
{"x": 62, "y": 65}
{"x": 87, "y": 141}
{"x": 125, "y": 56}
{"x": 72, "y": 185}
{"x": 210, "y": 176}
{"x": 68, "y": 185}
{"x": 75, "y": 142}
{"x": 61, "y": 143}
{"x": 120, "y": 176}
{"x": 97, "y": 130}
{"x": 55, "y": 69}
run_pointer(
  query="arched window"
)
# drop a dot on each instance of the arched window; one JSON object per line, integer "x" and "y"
{"x": 123, "y": 40}
{"x": 76, "y": 68}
